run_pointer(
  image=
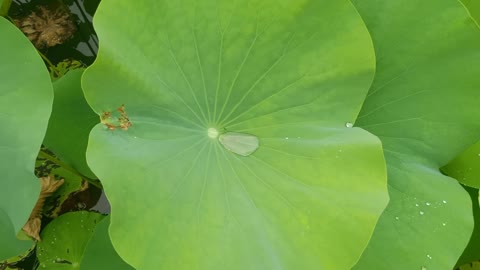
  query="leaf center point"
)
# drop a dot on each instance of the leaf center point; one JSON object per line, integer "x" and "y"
{"x": 212, "y": 133}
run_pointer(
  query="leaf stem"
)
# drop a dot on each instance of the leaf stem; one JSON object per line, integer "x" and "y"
{"x": 67, "y": 167}
{"x": 5, "y": 7}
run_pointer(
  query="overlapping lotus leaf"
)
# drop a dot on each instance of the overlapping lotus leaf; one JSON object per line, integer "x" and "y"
{"x": 423, "y": 105}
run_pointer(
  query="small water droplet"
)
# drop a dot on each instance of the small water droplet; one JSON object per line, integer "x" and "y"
{"x": 444, "y": 224}
{"x": 444, "y": 201}
{"x": 239, "y": 143}
{"x": 134, "y": 137}
{"x": 397, "y": 218}
{"x": 286, "y": 138}
{"x": 424, "y": 268}
{"x": 427, "y": 204}
{"x": 417, "y": 205}
{"x": 421, "y": 213}
{"x": 428, "y": 256}
{"x": 349, "y": 125}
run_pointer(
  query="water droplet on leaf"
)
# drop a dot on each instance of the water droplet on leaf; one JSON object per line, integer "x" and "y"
{"x": 348, "y": 125}
{"x": 239, "y": 143}
{"x": 421, "y": 213}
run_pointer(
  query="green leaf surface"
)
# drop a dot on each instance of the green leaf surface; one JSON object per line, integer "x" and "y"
{"x": 99, "y": 253}
{"x": 64, "y": 240}
{"x": 472, "y": 251}
{"x": 25, "y": 103}
{"x": 473, "y": 6}
{"x": 466, "y": 167}
{"x": 423, "y": 105}
{"x": 10, "y": 246}
{"x": 292, "y": 74}
{"x": 70, "y": 123}
{"x": 4, "y": 7}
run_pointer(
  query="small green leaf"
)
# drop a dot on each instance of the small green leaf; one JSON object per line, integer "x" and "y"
{"x": 64, "y": 240}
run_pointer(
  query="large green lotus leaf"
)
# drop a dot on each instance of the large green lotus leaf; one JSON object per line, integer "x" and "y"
{"x": 70, "y": 123}
{"x": 99, "y": 253}
{"x": 203, "y": 83}
{"x": 25, "y": 103}
{"x": 466, "y": 167}
{"x": 423, "y": 105}
{"x": 64, "y": 240}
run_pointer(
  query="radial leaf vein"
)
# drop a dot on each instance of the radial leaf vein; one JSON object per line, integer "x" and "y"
{"x": 280, "y": 195}
{"x": 239, "y": 70}
{"x": 276, "y": 111}
{"x": 392, "y": 102}
{"x": 169, "y": 88}
{"x": 200, "y": 66}
{"x": 179, "y": 116}
{"x": 286, "y": 87}
{"x": 181, "y": 181}
{"x": 204, "y": 185}
{"x": 293, "y": 179}
{"x": 184, "y": 76}
{"x": 240, "y": 182}
{"x": 262, "y": 76}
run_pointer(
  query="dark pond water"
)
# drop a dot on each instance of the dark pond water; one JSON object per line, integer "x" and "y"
{"x": 82, "y": 45}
